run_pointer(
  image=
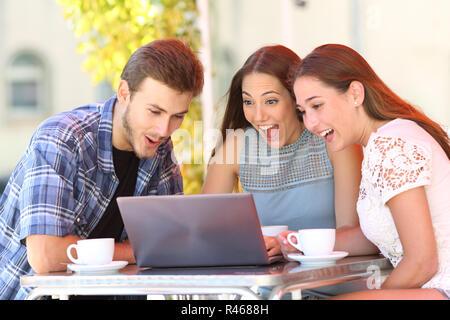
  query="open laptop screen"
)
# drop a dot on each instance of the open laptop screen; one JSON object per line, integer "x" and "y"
{"x": 194, "y": 230}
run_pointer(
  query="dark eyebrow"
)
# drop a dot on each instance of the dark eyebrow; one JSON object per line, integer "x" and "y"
{"x": 164, "y": 110}
{"x": 154, "y": 105}
{"x": 310, "y": 98}
{"x": 269, "y": 92}
{"x": 307, "y": 100}
{"x": 265, "y": 93}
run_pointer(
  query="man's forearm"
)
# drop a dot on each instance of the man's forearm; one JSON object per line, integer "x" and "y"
{"x": 49, "y": 253}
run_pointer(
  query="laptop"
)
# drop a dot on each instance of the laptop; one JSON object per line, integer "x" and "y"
{"x": 194, "y": 230}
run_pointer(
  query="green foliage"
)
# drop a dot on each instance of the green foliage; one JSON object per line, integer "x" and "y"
{"x": 193, "y": 171}
{"x": 111, "y": 30}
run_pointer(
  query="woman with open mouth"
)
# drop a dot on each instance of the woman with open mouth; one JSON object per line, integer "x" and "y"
{"x": 403, "y": 204}
{"x": 293, "y": 176}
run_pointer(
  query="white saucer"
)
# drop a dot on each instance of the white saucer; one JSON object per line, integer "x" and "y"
{"x": 102, "y": 268}
{"x": 318, "y": 260}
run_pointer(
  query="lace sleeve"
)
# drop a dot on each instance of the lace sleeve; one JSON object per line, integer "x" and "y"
{"x": 397, "y": 165}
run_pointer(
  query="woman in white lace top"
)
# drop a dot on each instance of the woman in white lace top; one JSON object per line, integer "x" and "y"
{"x": 404, "y": 200}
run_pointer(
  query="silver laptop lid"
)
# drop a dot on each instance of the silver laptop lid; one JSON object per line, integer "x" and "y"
{"x": 194, "y": 230}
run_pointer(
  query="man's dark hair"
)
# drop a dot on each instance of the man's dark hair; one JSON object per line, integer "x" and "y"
{"x": 167, "y": 60}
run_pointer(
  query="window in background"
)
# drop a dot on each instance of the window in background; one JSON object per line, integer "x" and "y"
{"x": 27, "y": 86}
{"x": 3, "y": 183}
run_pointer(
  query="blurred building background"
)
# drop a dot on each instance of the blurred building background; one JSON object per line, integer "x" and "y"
{"x": 41, "y": 74}
{"x": 406, "y": 42}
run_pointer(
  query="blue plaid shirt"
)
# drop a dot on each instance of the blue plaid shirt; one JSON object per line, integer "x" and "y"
{"x": 63, "y": 183}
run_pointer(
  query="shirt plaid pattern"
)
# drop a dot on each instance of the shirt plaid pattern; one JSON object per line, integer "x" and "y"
{"x": 63, "y": 184}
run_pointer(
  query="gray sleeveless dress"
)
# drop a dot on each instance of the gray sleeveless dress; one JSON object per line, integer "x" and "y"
{"x": 292, "y": 185}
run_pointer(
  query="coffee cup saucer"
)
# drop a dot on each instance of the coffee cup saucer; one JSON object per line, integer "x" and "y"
{"x": 112, "y": 267}
{"x": 319, "y": 260}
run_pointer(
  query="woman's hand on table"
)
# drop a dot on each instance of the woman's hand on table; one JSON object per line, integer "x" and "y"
{"x": 272, "y": 245}
{"x": 285, "y": 247}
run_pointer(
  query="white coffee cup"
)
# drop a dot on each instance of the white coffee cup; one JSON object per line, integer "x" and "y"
{"x": 92, "y": 251}
{"x": 313, "y": 242}
{"x": 273, "y": 231}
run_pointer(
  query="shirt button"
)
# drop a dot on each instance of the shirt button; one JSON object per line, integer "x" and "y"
{"x": 107, "y": 196}
{"x": 78, "y": 219}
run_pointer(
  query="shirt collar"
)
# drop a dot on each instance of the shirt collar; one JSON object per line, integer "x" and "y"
{"x": 105, "y": 155}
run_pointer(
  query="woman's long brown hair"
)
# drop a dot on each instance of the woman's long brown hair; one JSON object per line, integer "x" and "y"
{"x": 338, "y": 65}
{"x": 276, "y": 60}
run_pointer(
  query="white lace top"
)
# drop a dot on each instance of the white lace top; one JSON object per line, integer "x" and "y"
{"x": 401, "y": 156}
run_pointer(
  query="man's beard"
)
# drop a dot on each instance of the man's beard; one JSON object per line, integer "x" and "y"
{"x": 129, "y": 133}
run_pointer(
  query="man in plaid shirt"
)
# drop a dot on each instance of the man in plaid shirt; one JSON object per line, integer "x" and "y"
{"x": 64, "y": 188}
